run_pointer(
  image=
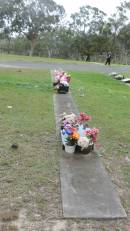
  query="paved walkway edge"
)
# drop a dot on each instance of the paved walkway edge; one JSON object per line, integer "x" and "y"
{"x": 86, "y": 188}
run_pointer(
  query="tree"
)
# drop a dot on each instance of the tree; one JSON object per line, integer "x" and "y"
{"x": 40, "y": 16}
{"x": 88, "y": 20}
{"x": 124, "y": 39}
{"x": 9, "y": 11}
{"x": 117, "y": 21}
{"x": 31, "y": 17}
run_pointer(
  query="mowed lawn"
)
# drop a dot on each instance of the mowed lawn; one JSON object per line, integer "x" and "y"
{"x": 30, "y": 173}
{"x": 12, "y": 57}
{"x": 30, "y": 95}
{"x": 108, "y": 102}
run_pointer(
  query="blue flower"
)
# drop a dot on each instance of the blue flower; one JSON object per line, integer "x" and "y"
{"x": 63, "y": 132}
{"x": 68, "y": 131}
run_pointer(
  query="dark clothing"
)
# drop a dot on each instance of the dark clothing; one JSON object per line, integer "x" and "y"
{"x": 108, "y": 59}
{"x": 88, "y": 58}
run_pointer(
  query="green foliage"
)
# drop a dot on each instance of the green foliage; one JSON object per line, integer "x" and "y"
{"x": 88, "y": 20}
{"x": 30, "y": 17}
{"x": 44, "y": 33}
{"x": 124, "y": 37}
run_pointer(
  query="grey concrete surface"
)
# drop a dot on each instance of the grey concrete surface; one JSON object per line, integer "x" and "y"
{"x": 86, "y": 188}
{"x": 95, "y": 67}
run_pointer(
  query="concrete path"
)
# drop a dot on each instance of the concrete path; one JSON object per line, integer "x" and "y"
{"x": 94, "y": 67}
{"x": 86, "y": 189}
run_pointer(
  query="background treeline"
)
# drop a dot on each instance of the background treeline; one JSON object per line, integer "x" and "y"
{"x": 39, "y": 27}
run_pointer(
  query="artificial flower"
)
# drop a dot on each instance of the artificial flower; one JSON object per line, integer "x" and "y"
{"x": 83, "y": 142}
{"x": 75, "y": 136}
{"x": 92, "y": 133}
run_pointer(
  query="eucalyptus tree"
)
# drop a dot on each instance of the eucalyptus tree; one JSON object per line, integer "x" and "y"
{"x": 117, "y": 22}
{"x": 64, "y": 42}
{"x": 31, "y": 17}
{"x": 57, "y": 43}
{"x": 87, "y": 25}
{"x": 40, "y": 16}
{"x": 124, "y": 39}
{"x": 88, "y": 19}
{"x": 10, "y": 11}
{"x": 124, "y": 36}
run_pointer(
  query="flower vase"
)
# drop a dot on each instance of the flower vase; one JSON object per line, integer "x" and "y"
{"x": 69, "y": 148}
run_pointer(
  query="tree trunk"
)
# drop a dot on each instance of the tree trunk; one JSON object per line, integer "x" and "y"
{"x": 8, "y": 45}
{"x": 49, "y": 52}
{"x": 32, "y": 47}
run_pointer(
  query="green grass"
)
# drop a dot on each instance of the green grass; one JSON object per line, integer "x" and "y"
{"x": 126, "y": 75}
{"x": 30, "y": 124}
{"x": 30, "y": 95}
{"x": 9, "y": 57}
{"x": 107, "y": 101}
{"x": 29, "y": 173}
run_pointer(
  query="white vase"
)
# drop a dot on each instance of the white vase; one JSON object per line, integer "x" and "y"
{"x": 69, "y": 149}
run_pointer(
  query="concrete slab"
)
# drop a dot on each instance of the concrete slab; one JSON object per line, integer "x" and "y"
{"x": 86, "y": 189}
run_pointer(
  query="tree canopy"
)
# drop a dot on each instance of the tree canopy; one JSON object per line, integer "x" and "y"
{"x": 39, "y": 27}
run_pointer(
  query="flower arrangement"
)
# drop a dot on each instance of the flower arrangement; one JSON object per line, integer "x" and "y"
{"x": 69, "y": 119}
{"x": 92, "y": 134}
{"x": 83, "y": 118}
{"x": 61, "y": 81}
{"x": 71, "y": 135}
{"x": 75, "y": 133}
{"x": 83, "y": 142}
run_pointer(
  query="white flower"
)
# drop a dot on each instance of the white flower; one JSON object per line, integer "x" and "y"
{"x": 65, "y": 83}
{"x": 83, "y": 142}
{"x": 71, "y": 118}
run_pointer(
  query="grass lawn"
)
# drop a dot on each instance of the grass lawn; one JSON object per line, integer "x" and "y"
{"x": 9, "y": 57}
{"x": 30, "y": 174}
{"x": 107, "y": 101}
{"x": 127, "y": 75}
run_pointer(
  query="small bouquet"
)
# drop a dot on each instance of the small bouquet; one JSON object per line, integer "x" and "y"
{"x": 76, "y": 131}
{"x": 83, "y": 118}
{"x": 69, "y": 119}
{"x": 92, "y": 134}
{"x": 83, "y": 142}
{"x": 61, "y": 81}
{"x": 71, "y": 135}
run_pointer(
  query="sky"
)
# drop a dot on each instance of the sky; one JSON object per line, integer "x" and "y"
{"x": 72, "y": 6}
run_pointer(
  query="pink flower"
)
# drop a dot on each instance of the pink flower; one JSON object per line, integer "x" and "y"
{"x": 83, "y": 117}
{"x": 68, "y": 78}
{"x": 92, "y": 133}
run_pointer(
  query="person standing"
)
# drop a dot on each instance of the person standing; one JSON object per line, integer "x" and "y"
{"x": 108, "y": 58}
{"x": 87, "y": 58}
